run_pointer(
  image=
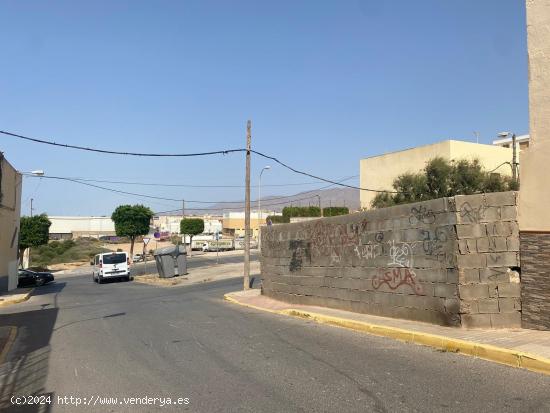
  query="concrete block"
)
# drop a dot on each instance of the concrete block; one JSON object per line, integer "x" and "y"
{"x": 509, "y": 213}
{"x": 492, "y": 244}
{"x": 512, "y": 243}
{"x": 452, "y": 276}
{"x": 509, "y": 290}
{"x": 506, "y": 320}
{"x": 468, "y": 307}
{"x": 452, "y": 305}
{"x": 509, "y": 305}
{"x": 486, "y": 306}
{"x": 471, "y": 231}
{"x": 503, "y": 259}
{"x": 476, "y": 320}
{"x": 473, "y": 291}
{"x": 472, "y": 261}
{"x": 468, "y": 275}
{"x": 445, "y": 290}
{"x": 490, "y": 214}
{"x": 500, "y": 198}
{"x": 494, "y": 275}
{"x": 464, "y": 202}
{"x": 493, "y": 289}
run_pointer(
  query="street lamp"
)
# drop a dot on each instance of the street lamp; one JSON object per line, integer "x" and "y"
{"x": 36, "y": 172}
{"x": 514, "y": 163}
{"x": 260, "y": 192}
{"x": 260, "y": 204}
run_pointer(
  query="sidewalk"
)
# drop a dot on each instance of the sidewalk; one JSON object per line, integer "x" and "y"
{"x": 207, "y": 273}
{"x": 16, "y": 296}
{"x": 528, "y": 349}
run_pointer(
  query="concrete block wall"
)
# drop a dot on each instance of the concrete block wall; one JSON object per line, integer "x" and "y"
{"x": 488, "y": 260}
{"x": 448, "y": 261}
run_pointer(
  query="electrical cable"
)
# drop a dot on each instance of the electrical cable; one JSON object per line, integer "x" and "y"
{"x": 224, "y": 152}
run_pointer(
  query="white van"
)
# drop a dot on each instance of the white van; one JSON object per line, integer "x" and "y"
{"x": 111, "y": 265}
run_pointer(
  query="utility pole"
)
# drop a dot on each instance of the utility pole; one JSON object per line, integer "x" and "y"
{"x": 246, "y": 280}
{"x": 32, "y": 199}
{"x": 183, "y": 208}
{"x": 514, "y": 168}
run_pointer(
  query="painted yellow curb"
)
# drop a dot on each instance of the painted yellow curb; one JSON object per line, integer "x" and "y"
{"x": 227, "y": 297}
{"x": 11, "y": 339}
{"x": 488, "y": 352}
{"x": 23, "y": 297}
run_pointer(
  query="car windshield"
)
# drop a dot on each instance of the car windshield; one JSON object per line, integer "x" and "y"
{"x": 114, "y": 258}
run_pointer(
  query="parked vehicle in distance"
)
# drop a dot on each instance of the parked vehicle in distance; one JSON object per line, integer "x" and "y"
{"x": 111, "y": 265}
{"x": 137, "y": 258}
{"x": 28, "y": 278}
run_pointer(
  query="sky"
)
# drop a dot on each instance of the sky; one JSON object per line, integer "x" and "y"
{"x": 325, "y": 84}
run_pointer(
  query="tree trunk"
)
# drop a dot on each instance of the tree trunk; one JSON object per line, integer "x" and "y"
{"x": 190, "y": 244}
{"x": 132, "y": 240}
{"x": 21, "y": 254}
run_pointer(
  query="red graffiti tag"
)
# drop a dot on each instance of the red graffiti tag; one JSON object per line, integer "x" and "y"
{"x": 396, "y": 277}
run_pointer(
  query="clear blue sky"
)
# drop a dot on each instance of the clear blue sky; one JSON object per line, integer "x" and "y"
{"x": 324, "y": 82}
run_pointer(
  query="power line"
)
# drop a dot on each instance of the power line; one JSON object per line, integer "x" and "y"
{"x": 84, "y": 148}
{"x": 224, "y": 152}
{"x": 236, "y": 207}
{"x": 61, "y": 178}
{"x": 318, "y": 177}
{"x": 84, "y": 179}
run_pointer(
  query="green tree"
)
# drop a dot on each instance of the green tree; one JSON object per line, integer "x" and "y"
{"x": 33, "y": 231}
{"x": 442, "y": 178}
{"x": 132, "y": 221}
{"x": 191, "y": 227}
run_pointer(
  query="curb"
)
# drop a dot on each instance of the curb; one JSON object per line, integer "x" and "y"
{"x": 488, "y": 352}
{"x": 9, "y": 343}
{"x": 24, "y": 297}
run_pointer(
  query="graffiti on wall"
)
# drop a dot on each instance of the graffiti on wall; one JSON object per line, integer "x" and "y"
{"x": 301, "y": 251}
{"x": 421, "y": 215}
{"x": 470, "y": 214}
{"x": 400, "y": 271}
{"x": 395, "y": 278}
{"x": 401, "y": 254}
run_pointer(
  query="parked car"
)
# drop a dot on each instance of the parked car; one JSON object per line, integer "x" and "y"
{"x": 110, "y": 265}
{"x": 28, "y": 278}
{"x": 137, "y": 258}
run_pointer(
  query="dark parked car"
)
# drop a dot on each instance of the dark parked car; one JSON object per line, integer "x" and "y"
{"x": 28, "y": 278}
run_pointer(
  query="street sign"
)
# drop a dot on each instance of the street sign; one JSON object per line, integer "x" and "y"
{"x": 146, "y": 240}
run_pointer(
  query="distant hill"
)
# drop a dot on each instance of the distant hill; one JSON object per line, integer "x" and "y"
{"x": 329, "y": 197}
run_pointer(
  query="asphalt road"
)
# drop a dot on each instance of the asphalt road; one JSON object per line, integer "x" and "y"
{"x": 125, "y": 339}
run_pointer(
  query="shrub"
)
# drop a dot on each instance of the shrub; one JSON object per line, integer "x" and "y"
{"x": 309, "y": 211}
{"x": 278, "y": 219}
{"x": 334, "y": 211}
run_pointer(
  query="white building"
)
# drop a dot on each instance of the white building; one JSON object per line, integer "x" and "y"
{"x": 522, "y": 142}
{"x": 171, "y": 223}
{"x": 68, "y": 227}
